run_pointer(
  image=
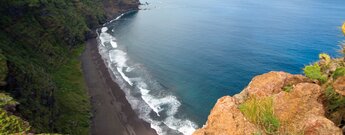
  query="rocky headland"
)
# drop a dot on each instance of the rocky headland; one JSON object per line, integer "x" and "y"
{"x": 285, "y": 104}
{"x": 300, "y": 110}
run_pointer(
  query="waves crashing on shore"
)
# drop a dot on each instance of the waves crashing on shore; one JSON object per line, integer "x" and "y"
{"x": 153, "y": 102}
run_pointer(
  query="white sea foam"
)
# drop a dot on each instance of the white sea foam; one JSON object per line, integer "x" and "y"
{"x": 117, "y": 63}
{"x": 104, "y": 29}
{"x": 129, "y": 69}
{"x": 124, "y": 76}
{"x": 148, "y": 99}
{"x": 117, "y": 18}
{"x": 186, "y": 127}
{"x": 113, "y": 44}
{"x": 105, "y": 38}
{"x": 118, "y": 57}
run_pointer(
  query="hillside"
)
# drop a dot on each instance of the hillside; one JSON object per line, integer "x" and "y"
{"x": 40, "y": 42}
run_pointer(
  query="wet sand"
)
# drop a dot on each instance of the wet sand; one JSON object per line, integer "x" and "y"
{"x": 112, "y": 114}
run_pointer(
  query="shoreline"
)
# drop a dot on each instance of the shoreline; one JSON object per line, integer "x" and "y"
{"x": 111, "y": 112}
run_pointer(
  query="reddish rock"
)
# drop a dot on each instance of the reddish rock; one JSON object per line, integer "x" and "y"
{"x": 302, "y": 111}
{"x": 269, "y": 83}
{"x": 298, "y": 111}
{"x": 339, "y": 85}
{"x": 226, "y": 119}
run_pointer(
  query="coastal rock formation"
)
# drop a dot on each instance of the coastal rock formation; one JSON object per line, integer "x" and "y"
{"x": 112, "y": 8}
{"x": 296, "y": 104}
{"x": 226, "y": 119}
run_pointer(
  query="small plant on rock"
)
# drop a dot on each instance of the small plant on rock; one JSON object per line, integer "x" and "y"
{"x": 260, "y": 111}
{"x": 325, "y": 58}
{"x": 314, "y": 72}
{"x": 340, "y": 71}
{"x": 287, "y": 88}
{"x": 334, "y": 99}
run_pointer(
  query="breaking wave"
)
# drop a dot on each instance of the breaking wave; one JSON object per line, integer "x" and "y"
{"x": 147, "y": 97}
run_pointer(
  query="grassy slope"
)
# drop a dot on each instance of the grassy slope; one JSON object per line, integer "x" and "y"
{"x": 72, "y": 98}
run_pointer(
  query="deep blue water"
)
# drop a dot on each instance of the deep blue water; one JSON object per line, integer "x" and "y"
{"x": 199, "y": 51}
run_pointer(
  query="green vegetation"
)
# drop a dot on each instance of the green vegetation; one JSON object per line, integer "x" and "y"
{"x": 328, "y": 71}
{"x": 325, "y": 57}
{"x": 6, "y": 100}
{"x": 260, "y": 112}
{"x": 40, "y": 41}
{"x": 287, "y": 88}
{"x": 314, "y": 73}
{"x": 334, "y": 100}
{"x": 10, "y": 124}
{"x": 340, "y": 71}
{"x": 73, "y": 101}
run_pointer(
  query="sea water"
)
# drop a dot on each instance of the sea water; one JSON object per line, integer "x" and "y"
{"x": 175, "y": 58}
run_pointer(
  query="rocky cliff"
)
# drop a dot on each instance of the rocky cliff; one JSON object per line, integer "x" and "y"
{"x": 299, "y": 110}
{"x": 286, "y": 104}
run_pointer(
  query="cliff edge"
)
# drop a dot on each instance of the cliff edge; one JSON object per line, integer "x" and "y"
{"x": 298, "y": 110}
{"x": 286, "y": 104}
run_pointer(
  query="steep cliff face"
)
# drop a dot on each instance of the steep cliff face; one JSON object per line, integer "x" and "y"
{"x": 294, "y": 100}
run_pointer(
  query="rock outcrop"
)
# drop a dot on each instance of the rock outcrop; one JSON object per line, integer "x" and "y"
{"x": 226, "y": 119}
{"x": 299, "y": 110}
{"x": 113, "y": 8}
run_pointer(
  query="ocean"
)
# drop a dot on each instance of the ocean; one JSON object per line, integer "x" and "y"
{"x": 175, "y": 58}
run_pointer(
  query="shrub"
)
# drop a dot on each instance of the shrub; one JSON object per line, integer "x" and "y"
{"x": 334, "y": 100}
{"x": 287, "y": 88}
{"x": 325, "y": 57}
{"x": 314, "y": 72}
{"x": 260, "y": 112}
{"x": 338, "y": 72}
{"x": 10, "y": 124}
{"x": 6, "y": 100}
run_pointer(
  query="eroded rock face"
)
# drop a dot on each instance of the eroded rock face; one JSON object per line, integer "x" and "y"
{"x": 299, "y": 111}
{"x": 339, "y": 85}
{"x": 302, "y": 111}
{"x": 268, "y": 84}
{"x": 226, "y": 119}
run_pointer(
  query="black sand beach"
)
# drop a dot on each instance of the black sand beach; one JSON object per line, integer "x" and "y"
{"x": 112, "y": 114}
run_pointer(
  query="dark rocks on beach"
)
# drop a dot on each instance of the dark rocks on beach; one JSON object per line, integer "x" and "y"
{"x": 90, "y": 34}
